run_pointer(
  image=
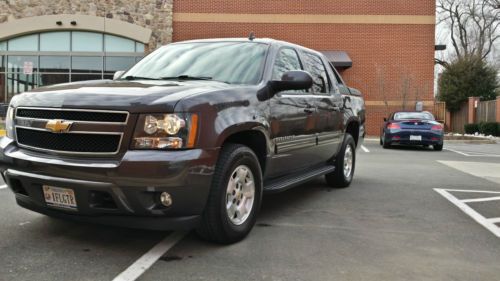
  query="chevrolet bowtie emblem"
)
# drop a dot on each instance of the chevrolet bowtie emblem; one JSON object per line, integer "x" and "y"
{"x": 58, "y": 126}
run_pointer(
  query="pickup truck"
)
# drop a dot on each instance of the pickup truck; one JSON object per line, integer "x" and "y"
{"x": 192, "y": 136}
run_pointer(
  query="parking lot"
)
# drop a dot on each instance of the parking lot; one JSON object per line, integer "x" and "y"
{"x": 410, "y": 214}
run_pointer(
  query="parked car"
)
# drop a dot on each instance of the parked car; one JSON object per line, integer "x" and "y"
{"x": 412, "y": 128}
{"x": 191, "y": 136}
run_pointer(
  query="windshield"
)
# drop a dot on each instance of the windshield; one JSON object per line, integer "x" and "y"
{"x": 230, "y": 62}
{"x": 413, "y": 115}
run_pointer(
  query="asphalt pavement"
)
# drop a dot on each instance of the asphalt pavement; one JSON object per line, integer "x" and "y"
{"x": 410, "y": 214}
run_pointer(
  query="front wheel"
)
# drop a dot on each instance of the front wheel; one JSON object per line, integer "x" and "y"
{"x": 345, "y": 163}
{"x": 235, "y": 196}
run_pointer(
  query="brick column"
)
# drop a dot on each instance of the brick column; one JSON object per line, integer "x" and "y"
{"x": 498, "y": 109}
{"x": 472, "y": 110}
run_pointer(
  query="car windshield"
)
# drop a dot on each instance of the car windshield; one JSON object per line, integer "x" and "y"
{"x": 413, "y": 116}
{"x": 229, "y": 62}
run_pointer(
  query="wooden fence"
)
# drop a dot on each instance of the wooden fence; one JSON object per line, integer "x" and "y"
{"x": 440, "y": 111}
{"x": 459, "y": 118}
{"x": 486, "y": 111}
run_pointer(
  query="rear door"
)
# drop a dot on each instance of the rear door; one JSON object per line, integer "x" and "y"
{"x": 292, "y": 121}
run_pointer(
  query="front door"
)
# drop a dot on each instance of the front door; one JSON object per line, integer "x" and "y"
{"x": 293, "y": 125}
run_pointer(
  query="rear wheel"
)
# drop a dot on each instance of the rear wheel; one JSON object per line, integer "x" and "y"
{"x": 438, "y": 147}
{"x": 385, "y": 144}
{"x": 235, "y": 196}
{"x": 344, "y": 165}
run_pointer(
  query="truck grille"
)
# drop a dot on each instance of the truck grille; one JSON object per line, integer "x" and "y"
{"x": 91, "y": 132}
{"x": 79, "y": 143}
{"x": 90, "y": 116}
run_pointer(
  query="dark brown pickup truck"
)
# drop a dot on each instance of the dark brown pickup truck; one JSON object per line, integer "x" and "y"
{"x": 189, "y": 137}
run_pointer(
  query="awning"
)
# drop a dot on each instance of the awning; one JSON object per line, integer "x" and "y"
{"x": 339, "y": 59}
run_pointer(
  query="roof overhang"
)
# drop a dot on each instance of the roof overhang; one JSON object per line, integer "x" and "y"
{"x": 339, "y": 59}
{"x": 62, "y": 22}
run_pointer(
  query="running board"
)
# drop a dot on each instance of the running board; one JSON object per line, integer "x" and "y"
{"x": 287, "y": 182}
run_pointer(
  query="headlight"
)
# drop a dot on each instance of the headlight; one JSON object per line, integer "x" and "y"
{"x": 165, "y": 131}
{"x": 9, "y": 122}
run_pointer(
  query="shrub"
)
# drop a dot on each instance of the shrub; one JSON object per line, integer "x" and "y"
{"x": 471, "y": 128}
{"x": 489, "y": 128}
{"x": 467, "y": 77}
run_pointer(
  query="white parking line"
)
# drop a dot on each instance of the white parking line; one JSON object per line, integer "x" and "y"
{"x": 481, "y": 199}
{"x": 148, "y": 259}
{"x": 3, "y": 186}
{"x": 472, "y": 154}
{"x": 365, "y": 149}
{"x": 488, "y": 223}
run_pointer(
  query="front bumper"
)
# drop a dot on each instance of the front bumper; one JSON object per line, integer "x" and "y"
{"x": 123, "y": 192}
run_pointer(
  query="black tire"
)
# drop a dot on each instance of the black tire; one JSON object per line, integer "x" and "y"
{"x": 215, "y": 224}
{"x": 384, "y": 143}
{"x": 438, "y": 147}
{"x": 337, "y": 178}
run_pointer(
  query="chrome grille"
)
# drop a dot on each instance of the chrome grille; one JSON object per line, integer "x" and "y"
{"x": 92, "y": 131}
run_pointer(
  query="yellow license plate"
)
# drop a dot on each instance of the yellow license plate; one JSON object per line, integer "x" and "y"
{"x": 59, "y": 197}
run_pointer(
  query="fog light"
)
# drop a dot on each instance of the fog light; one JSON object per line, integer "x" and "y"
{"x": 165, "y": 199}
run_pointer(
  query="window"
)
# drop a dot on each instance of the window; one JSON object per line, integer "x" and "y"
{"x": 54, "y": 64}
{"x": 24, "y": 43}
{"x": 317, "y": 69}
{"x": 55, "y": 41}
{"x": 62, "y": 56}
{"x": 114, "y": 64}
{"x": 413, "y": 115}
{"x": 118, "y": 44}
{"x": 18, "y": 63}
{"x": 87, "y": 42}
{"x": 86, "y": 64}
{"x": 229, "y": 62}
{"x": 139, "y": 47}
{"x": 286, "y": 60}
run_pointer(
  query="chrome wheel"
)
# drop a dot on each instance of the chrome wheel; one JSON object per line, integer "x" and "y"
{"x": 240, "y": 195}
{"x": 348, "y": 161}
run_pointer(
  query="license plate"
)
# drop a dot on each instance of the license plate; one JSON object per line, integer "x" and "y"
{"x": 416, "y": 138}
{"x": 59, "y": 197}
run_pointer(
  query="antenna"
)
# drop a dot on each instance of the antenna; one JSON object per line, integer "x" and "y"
{"x": 251, "y": 36}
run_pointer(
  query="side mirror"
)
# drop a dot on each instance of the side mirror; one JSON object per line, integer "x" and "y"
{"x": 118, "y": 74}
{"x": 292, "y": 80}
{"x": 385, "y": 119}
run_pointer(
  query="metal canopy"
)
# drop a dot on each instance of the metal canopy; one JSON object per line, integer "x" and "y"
{"x": 339, "y": 59}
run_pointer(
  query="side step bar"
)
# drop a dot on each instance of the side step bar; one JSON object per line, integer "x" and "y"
{"x": 287, "y": 182}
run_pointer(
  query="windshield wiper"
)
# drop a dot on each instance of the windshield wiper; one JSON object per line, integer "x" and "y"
{"x": 186, "y": 77}
{"x": 139, "y": 78}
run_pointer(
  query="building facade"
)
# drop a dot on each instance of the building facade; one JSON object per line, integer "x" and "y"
{"x": 384, "y": 48}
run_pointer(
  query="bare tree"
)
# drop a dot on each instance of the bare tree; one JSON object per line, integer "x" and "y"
{"x": 474, "y": 25}
{"x": 382, "y": 86}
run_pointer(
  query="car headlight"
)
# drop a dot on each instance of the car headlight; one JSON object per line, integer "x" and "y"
{"x": 165, "y": 131}
{"x": 9, "y": 122}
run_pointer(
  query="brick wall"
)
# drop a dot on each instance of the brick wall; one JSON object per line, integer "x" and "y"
{"x": 390, "y": 61}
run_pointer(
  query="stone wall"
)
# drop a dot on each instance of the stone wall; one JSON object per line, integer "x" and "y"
{"x": 152, "y": 14}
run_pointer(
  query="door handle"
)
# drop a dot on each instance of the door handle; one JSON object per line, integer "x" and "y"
{"x": 309, "y": 110}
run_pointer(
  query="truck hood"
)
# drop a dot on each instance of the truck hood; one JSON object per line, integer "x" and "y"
{"x": 132, "y": 96}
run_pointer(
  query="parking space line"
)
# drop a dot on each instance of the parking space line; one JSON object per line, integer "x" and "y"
{"x": 3, "y": 186}
{"x": 485, "y": 222}
{"x": 148, "y": 259}
{"x": 365, "y": 149}
{"x": 456, "y": 151}
{"x": 481, "y": 199}
{"x": 494, "y": 220}
{"x": 471, "y": 153}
